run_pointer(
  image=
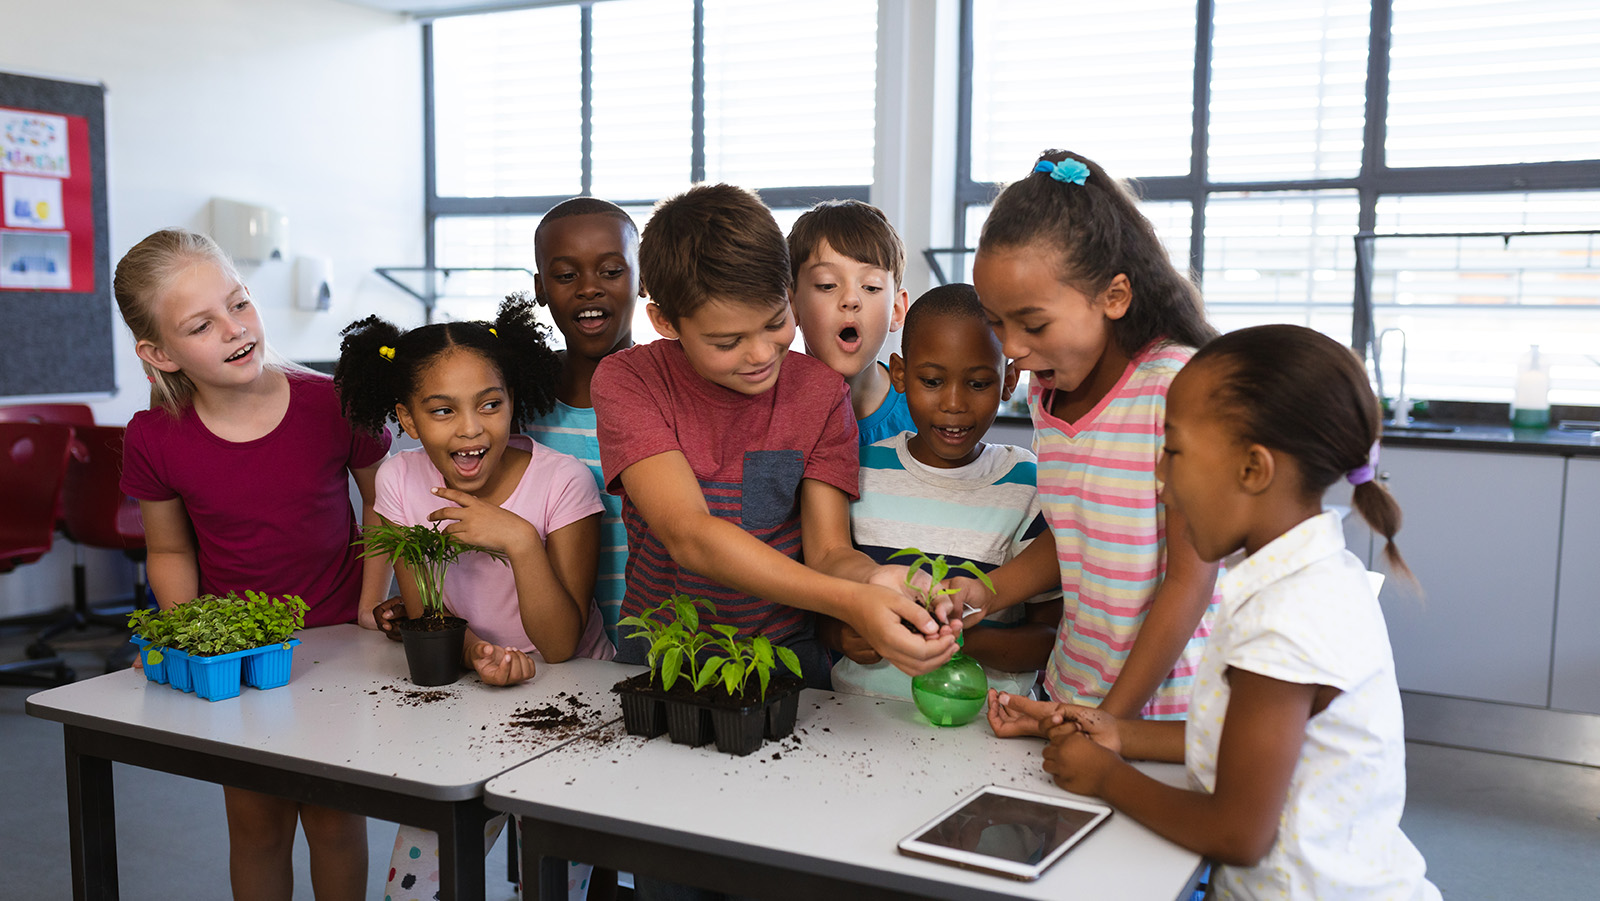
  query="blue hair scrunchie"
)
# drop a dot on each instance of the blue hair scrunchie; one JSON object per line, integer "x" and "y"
{"x": 1068, "y": 170}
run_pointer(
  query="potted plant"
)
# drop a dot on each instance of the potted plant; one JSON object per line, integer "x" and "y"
{"x": 953, "y": 694}
{"x": 214, "y": 644}
{"x": 433, "y": 641}
{"x": 708, "y": 684}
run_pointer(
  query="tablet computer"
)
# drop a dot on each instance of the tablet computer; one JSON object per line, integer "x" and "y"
{"x": 1006, "y": 831}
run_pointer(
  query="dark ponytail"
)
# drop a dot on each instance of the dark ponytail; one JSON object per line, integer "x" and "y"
{"x": 367, "y": 373}
{"x": 1298, "y": 391}
{"x": 380, "y": 365}
{"x": 1097, "y": 231}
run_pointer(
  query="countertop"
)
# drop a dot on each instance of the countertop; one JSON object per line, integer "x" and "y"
{"x": 1477, "y": 436}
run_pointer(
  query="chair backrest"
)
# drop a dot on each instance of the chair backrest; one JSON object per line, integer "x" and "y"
{"x": 33, "y": 466}
{"x": 65, "y": 414}
{"x": 95, "y": 512}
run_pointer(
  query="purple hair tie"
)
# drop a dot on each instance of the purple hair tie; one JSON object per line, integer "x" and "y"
{"x": 1365, "y": 472}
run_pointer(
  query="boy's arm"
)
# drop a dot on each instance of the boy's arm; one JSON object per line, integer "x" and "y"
{"x": 665, "y": 492}
{"x": 1033, "y": 571}
{"x": 1175, "y": 611}
{"x": 171, "y": 565}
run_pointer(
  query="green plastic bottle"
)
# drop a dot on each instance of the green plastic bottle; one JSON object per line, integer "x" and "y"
{"x": 953, "y": 694}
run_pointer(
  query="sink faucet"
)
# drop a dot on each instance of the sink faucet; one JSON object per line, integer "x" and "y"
{"x": 1402, "y": 405}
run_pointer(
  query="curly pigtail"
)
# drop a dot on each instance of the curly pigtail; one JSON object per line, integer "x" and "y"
{"x": 367, "y": 375}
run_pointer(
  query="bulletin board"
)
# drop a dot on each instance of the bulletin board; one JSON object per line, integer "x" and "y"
{"x": 55, "y": 262}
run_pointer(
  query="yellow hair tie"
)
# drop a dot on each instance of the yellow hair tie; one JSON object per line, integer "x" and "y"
{"x": 493, "y": 332}
{"x": 386, "y": 352}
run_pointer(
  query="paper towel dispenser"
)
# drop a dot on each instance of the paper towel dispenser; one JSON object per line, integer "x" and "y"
{"x": 249, "y": 233}
{"x": 313, "y": 283}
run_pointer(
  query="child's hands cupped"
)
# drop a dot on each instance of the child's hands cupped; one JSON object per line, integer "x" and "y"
{"x": 880, "y": 616}
{"x": 498, "y": 665}
{"x": 1077, "y": 763}
{"x": 479, "y": 522}
{"x": 1011, "y": 715}
{"x": 385, "y": 614}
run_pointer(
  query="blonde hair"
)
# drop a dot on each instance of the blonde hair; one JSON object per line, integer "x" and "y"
{"x": 142, "y": 274}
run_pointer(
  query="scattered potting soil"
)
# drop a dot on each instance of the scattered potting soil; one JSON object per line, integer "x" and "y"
{"x": 416, "y": 697}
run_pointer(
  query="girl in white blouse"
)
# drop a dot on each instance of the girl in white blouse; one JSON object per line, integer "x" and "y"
{"x": 1294, "y": 743}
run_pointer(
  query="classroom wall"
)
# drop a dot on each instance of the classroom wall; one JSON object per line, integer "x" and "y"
{"x": 313, "y": 107}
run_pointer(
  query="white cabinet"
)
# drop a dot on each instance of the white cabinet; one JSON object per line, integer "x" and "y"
{"x": 1482, "y": 533}
{"x": 1576, "y": 673}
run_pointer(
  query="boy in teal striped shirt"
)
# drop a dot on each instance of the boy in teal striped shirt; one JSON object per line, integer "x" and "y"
{"x": 587, "y": 254}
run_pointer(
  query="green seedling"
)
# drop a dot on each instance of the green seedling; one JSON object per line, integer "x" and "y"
{"x": 211, "y": 624}
{"x": 742, "y": 658}
{"x": 938, "y": 568}
{"x": 673, "y": 630}
{"x": 426, "y": 551}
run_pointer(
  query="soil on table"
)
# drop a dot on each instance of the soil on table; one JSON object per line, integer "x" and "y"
{"x": 416, "y": 697}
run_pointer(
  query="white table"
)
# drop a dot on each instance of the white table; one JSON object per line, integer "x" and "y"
{"x": 343, "y": 733}
{"x": 817, "y": 815}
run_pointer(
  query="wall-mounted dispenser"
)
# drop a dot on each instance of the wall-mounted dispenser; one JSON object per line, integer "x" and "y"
{"x": 313, "y": 283}
{"x": 249, "y": 233}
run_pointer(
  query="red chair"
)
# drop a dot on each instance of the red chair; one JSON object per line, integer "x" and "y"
{"x": 62, "y": 414}
{"x": 96, "y": 513}
{"x": 33, "y": 467}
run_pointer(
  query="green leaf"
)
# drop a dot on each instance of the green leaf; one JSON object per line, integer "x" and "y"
{"x": 789, "y": 659}
{"x": 671, "y": 663}
{"x": 983, "y": 577}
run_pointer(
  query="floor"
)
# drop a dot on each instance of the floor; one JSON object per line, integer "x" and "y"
{"x": 1490, "y": 826}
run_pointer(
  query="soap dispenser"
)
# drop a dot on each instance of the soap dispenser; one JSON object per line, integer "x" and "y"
{"x": 1530, "y": 408}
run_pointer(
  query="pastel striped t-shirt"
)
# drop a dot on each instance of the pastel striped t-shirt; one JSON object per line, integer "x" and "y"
{"x": 1097, "y": 486}
{"x": 571, "y": 430}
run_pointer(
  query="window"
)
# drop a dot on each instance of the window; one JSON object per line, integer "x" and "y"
{"x": 1476, "y": 116}
{"x": 634, "y": 100}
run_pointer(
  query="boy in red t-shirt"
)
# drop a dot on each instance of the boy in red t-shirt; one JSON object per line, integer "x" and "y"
{"x": 736, "y": 460}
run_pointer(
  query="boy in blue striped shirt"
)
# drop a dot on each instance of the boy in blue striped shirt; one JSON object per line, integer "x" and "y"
{"x": 943, "y": 490}
{"x": 587, "y": 254}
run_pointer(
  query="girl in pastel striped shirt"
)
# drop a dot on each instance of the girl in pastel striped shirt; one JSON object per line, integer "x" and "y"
{"x": 1082, "y": 295}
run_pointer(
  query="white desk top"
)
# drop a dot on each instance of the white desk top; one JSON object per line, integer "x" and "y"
{"x": 858, "y": 775}
{"x": 349, "y": 712}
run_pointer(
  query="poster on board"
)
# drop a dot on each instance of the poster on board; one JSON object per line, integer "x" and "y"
{"x": 47, "y": 231}
{"x": 34, "y": 143}
{"x": 31, "y": 202}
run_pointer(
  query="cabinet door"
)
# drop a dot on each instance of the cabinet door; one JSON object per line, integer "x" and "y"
{"x": 1481, "y": 531}
{"x": 1577, "y": 664}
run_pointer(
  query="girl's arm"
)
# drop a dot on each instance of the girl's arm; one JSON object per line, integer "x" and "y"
{"x": 1017, "y": 648}
{"x": 1180, "y": 600}
{"x": 375, "y": 570}
{"x": 664, "y": 490}
{"x": 1032, "y": 572}
{"x": 1236, "y": 824}
{"x": 548, "y": 599}
{"x": 172, "y": 567}
{"x": 496, "y": 665}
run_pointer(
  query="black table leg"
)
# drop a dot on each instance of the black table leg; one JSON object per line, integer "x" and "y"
{"x": 461, "y": 852}
{"x": 92, "y": 823}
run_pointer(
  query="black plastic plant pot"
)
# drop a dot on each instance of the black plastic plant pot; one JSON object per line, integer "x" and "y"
{"x": 642, "y": 714}
{"x": 783, "y": 707}
{"x": 688, "y": 723}
{"x": 433, "y": 653}
{"x": 738, "y": 730}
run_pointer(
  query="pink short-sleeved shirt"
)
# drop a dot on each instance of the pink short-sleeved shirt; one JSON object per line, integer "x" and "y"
{"x": 273, "y": 514}
{"x": 555, "y": 491}
{"x": 749, "y": 454}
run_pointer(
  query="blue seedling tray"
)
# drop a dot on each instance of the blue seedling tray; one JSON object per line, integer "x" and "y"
{"x": 221, "y": 676}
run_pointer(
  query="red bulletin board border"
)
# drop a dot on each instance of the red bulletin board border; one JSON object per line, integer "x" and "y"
{"x": 77, "y": 207}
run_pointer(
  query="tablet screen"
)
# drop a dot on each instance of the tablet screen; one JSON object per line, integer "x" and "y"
{"x": 1014, "y": 832}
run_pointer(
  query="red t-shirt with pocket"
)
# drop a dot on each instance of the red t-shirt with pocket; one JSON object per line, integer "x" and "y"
{"x": 748, "y": 452}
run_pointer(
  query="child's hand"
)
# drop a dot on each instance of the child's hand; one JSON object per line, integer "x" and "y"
{"x": 971, "y": 597}
{"x": 879, "y": 618}
{"x": 1077, "y": 763}
{"x": 482, "y": 523}
{"x": 384, "y": 616}
{"x": 852, "y": 645}
{"x": 1099, "y": 726}
{"x": 497, "y": 665}
{"x": 1013, "y": 715}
